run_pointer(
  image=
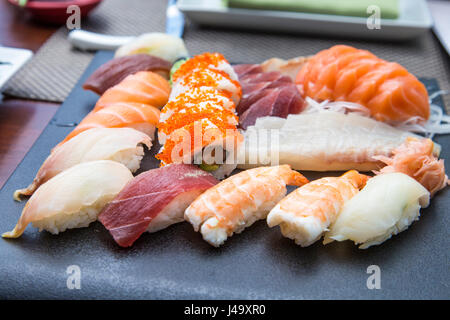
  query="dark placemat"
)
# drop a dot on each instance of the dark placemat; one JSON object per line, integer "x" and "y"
{"x": 176, "y": 263}
{"x": 54, "y": 70}
{"x": 52, "y": 73}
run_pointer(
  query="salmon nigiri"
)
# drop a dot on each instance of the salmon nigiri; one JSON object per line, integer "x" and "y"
{"x": 307, "y": 212}
{"x": 240, "y": 200}
{"x": 415, "y": 158}
{"x": 344, "y": 73}
{"x": 142, "y": 87}
{"x": 139, "y": 116}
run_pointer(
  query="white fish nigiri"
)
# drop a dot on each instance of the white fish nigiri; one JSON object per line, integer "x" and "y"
{"x": 124, "y": 145}
{"x": 322, "y": 141}
{"x": 73, "y": 198}
{"x": 386, "y": 206}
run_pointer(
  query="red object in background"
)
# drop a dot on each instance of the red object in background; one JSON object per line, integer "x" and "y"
{"x": 55, "y": 12}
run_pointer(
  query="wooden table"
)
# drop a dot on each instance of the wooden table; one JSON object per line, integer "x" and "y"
{"x": 21, "y": 121}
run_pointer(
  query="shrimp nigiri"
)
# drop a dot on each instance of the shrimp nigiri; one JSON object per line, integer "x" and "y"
{"x": 415, "y": 158}
{"x": 240, "y": 200}
{"x": 344, "y": 73}
{"x": 73, "y": 198}
{"x": 138, "y": 116}
{"x": 123, "y": 145}
{"x": 142, "y": 87}
{"x": 307, "y": 212}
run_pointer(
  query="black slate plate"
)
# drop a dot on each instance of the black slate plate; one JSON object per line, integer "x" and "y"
{"x": 177, "y": 263}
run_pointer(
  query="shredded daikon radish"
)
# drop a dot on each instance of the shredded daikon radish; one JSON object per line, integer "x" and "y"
{"x": 438, "y": 123}
{"x": 337, "y": 106}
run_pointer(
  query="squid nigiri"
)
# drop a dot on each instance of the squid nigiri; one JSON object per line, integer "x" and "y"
{"x": 153, "y": 201}
{"x": 386, "y": 206}
{"x": 124, "y": 145}
{"x": 307, "y": 212}
{"x": 144, "y": 87}
{"x": 240, "y": 200}
{"x": 387, "y": 89}
{"x": 415, "y": 158}
{"x": 138, "y": 116}
{"x": 73, "y": 198}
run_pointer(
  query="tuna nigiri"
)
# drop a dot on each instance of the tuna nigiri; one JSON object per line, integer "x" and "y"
{"x": 153, "y": 201}
{"x": 386, "y": 206}
{"x": 415, "y": 158}
{"x": 73, "y": 198}
{"x": 144, "y": 87}
{"x": 240, "y": 200}
{"x": 139, "y": 116}
{"x": 307, "y": 212}
{"x": 387, "y": 89}
{"x": 124, "y": 145}
{"x": 114, "y": 71}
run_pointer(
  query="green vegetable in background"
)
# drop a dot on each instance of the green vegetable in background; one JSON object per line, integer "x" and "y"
{"x": 175, "y": 67}
{"x": 22, "y": 3}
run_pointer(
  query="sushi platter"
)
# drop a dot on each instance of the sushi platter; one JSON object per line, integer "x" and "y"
{"x": 139, "y": 220}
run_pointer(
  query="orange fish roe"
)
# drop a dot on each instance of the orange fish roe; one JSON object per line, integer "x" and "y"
{"x": 209, "y": 78}
{"x": 184, "y": 138}
{"x": 201, "y": 61}
{"x": 196, "y": 96}
{"x": 188, "y": 115}
{"x": 206, "y": 109}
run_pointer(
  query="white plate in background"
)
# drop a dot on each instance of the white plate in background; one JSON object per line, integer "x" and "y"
{"x": 414, "y": 19}
{"x": 440, "y": 11}
{"x": 11, "y": 60}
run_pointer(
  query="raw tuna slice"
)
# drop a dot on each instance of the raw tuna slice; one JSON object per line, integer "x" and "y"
{"x": 273, "y": 76}
{"x": 153, "y": 201}
{"x": 244, "y": 69}
{"x": 277, "y": 102}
